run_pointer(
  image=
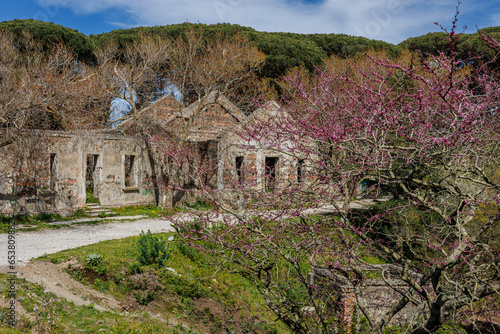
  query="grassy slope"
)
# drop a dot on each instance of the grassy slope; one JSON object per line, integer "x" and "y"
{"x": 197, "y": 300}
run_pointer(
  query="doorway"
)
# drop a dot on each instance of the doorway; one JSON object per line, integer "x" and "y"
{"x": 92, "y": 178}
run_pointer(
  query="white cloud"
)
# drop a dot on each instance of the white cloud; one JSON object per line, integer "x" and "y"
{"x": 496, "y": 19}
{"x": 389, "y": 20}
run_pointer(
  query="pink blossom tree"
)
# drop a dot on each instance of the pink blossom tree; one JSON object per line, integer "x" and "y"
{"x": 424, "y": 131}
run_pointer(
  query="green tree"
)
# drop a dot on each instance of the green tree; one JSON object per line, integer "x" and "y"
{"x": 49, "y": 34}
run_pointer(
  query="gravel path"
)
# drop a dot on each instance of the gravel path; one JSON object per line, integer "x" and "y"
{"x": 37, "y": 243}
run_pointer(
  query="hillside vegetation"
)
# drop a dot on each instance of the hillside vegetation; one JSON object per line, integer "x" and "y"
{"x": 283, "y": 50}
{"x": 186, "y": 294}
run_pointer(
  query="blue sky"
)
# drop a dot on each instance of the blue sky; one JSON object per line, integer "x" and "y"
{"x": 389, "y": 20}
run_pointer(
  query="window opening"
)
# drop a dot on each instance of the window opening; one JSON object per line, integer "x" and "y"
{"x": 300, "y": 170}
{"x": 239, "y": 168}
{"x": 52, "y": 175}
{"x": 271, "y": 163}
{"x": 130, "y": 175}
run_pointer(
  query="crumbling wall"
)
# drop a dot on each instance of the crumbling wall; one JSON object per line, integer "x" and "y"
{"x": 54, "y": 179}
{"x": 196, "y": 131}
{"x": 373, "y": 296}
{"x": 24, "y": 173}
{"x": 247, "y": 165}
{"x": 252, "y": 171}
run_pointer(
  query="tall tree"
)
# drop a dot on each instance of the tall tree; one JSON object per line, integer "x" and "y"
{"x": 47, "y": 90}
{"x": 48, "y": 35}
{"x": 228, "y": 64}
{"x": 193, "y": 70}
{"x": 136, "y": 69}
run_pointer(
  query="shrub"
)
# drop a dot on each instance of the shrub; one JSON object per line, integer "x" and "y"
{"x": 94, "y": 262}
{"x": 79, "y": 213}
{"x": 187, "y": 251}
{"x": 144, "y": 299}
{"x": 46, "y": 217}
{"x": 152, "y": 250}
{"x": 184, "y": 287}
{"x": 134, "y": 268}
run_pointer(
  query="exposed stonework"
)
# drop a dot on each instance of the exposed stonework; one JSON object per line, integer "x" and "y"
{"x": 51, "y": 173}
{"x": 375, "y": 295}
{"x": 206, "y": 119}
{"x": 198, "y": 128}
{"x": 258, "y": 165}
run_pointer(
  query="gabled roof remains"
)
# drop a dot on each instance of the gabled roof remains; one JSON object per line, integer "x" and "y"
{"x": 204, "y": 120}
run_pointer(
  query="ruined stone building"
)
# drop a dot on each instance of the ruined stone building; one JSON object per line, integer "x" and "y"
{"x": 52, "y": 171}
{"x": 215, "y": 130}
{"x": 256, "y": 162}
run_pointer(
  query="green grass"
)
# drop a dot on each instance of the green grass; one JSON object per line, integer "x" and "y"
{"x": 190, "y": 295}
{"x": 70, "y": 318}
{"x": 91, "y": 198}
{"x": 38, "y": 221}
{"x": 150, "y": 210}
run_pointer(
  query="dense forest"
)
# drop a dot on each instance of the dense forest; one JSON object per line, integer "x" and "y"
{"x": 283, "y": 51}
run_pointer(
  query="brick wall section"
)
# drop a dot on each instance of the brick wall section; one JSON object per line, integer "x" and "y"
{"x": 210, "y": 123}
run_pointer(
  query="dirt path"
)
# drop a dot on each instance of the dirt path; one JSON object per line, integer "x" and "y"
{"x": 31, "y": 245}
{"x": 52, "y": 277}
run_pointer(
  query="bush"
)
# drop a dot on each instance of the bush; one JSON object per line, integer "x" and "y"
{"x": 46, "y": 217}
{"x": 94, "y": 262}
{"x": 144, "y": 299}
{"x": 79, "y": 213}
{"x": 152, "y": 250}
{"x": 187, "y": 288}
{"x": 134, "y": 268}
{"x": 187, "y": 251}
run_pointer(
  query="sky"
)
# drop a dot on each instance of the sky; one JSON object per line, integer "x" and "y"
{"x": 388, "y": 20}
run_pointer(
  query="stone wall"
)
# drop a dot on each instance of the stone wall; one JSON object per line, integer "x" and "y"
{"x": 246, "y": 163}
{"x": 259, "y": 164}
{"x": 50, "y": 174}
{"x": 374, "y": 295}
